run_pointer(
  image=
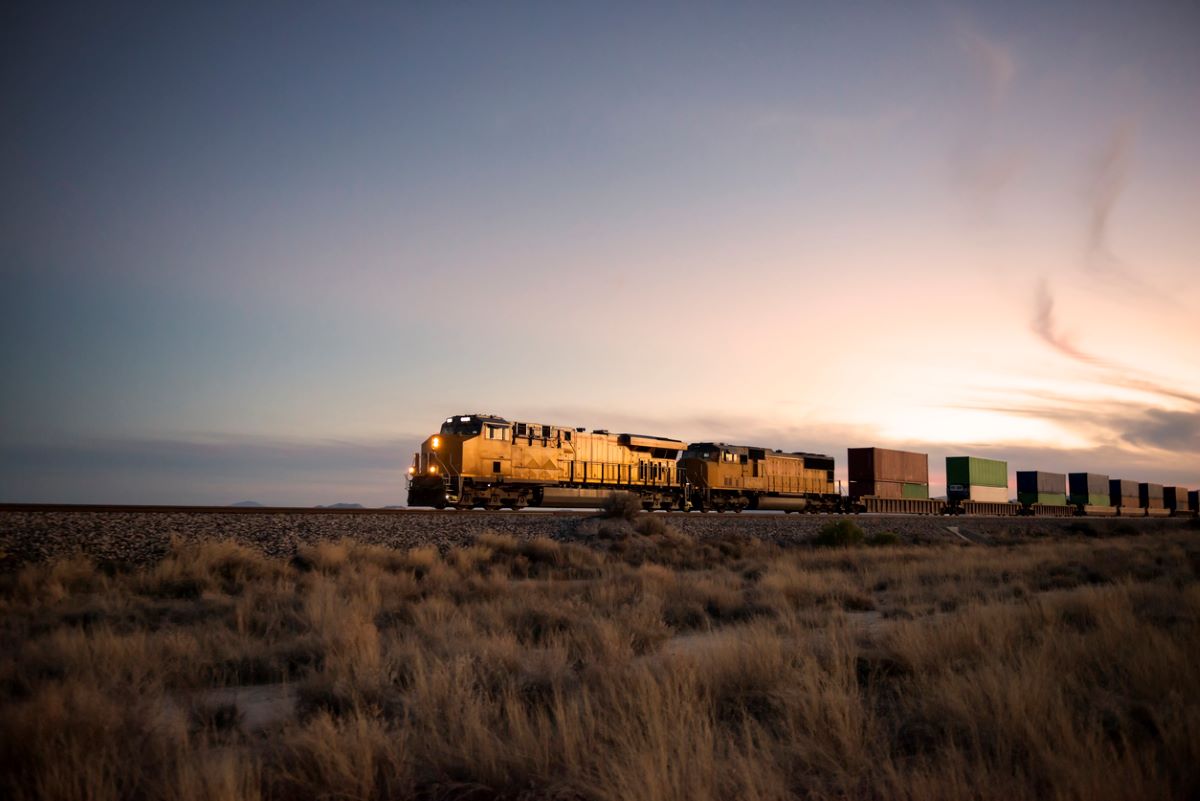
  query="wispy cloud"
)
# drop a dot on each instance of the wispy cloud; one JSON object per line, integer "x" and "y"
{"x": 982, "y": 164}
{"x": 1123, "y": 425}
{"x": 1165, "y": 430}
{"x": 993, "y": 61}
{"x": 1110, "y": 174}
{"x": 1045, "y": 325}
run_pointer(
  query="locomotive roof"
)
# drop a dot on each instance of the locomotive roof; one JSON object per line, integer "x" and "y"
{"x": 491, "y": 418}
{"x": 740, "y": 449}
{"x": 647, "y": 441}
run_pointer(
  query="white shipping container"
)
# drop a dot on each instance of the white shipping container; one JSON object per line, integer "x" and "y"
{"x": 988, "y": 494}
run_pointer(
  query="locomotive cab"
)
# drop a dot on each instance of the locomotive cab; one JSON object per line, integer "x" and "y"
{"x": 439, "y": 467}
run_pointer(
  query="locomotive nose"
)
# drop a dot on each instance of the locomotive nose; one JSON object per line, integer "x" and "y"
{"x": 430, "y": 454}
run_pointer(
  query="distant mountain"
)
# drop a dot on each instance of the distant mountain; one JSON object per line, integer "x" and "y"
{"x": 343, "y": 506}
{"x": 246, "y": 503}
{"x": 395, "y": 507}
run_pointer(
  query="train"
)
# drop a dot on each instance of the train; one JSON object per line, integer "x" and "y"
{"x": 489, "y": 462}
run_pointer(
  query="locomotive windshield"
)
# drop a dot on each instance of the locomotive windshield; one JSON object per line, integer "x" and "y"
{"x": 466, "y": 425}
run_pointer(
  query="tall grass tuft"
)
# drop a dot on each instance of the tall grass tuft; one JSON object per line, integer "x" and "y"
{"x": 621, "y": 505}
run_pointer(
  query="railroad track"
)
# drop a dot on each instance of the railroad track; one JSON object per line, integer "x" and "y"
{"x": 142, "y": 534}
{"x": 152, "y": 509}
{"x": 79, "y": 508}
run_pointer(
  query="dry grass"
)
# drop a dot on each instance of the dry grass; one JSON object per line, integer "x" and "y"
{"x": 641, "y": 665}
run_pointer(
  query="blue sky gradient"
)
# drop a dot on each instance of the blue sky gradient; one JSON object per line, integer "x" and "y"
{"x": 262, "y": 251}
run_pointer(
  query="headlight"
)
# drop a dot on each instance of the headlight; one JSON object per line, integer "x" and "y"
{"x": 412, "y": 470}
{"x": 436, "y": 442}
{"x": 433, "y": 469}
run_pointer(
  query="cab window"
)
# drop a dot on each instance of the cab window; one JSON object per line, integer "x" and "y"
{"x": 497, "y": 432}
{"x": 461, "y": 426}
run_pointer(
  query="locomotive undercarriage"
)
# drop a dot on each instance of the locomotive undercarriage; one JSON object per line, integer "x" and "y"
{"x": 450, "y": 492}
{"x": 737, "y": 501}
{"x": 465, "y": 493}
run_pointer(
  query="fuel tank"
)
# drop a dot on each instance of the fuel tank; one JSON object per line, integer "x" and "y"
{"x": 770, "y": 504}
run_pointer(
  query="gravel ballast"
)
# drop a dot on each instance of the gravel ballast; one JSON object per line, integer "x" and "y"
{"x": 144, "y": 537}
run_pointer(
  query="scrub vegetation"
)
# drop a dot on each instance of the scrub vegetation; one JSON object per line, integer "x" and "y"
{"x": 640, "y": 664}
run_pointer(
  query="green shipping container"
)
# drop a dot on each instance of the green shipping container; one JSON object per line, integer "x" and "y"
{"x": 971, "y": 470}
{"x": 916, "y": 491}
{"x": 1092, "y": 499}
{"x": 1044, "y": 498}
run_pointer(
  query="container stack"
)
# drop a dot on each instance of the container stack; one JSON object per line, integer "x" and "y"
{"x": 1194, "y": 501}
{"x": 882, "y": 473}
{"x": 1150, "y": 496}
{"x": 1037, "y": 487}
{"x": 1175, "y": 499}
{"x": 1124, "y": 495}
{"x": 1089, "y": 489}
{"x": 969, "y": 478}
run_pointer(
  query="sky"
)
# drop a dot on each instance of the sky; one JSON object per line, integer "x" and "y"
{"x": 259, "y": 251}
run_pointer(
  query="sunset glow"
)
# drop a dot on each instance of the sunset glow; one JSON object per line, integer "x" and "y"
{"x": 270, "y": 274}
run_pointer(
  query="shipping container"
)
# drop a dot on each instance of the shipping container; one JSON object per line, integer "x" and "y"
{"x": 881, "y": 464}
{"x": 887, "y": 489}
{"x": 1194, "y": 501}
{"x": 966, "y": 471}
{"x": 1042, "y": 498}
{"x": 1123, "y": 494}
{"x": 876, "y": 489}
{"x": 1175, "y": 498}
{"x": 975, "y": 492}
{"x": 1038, "y": 487}
{"x": 1150, "y": 496}
{"x": 1088, "y": 489}
{"x": 1041, "y": 481}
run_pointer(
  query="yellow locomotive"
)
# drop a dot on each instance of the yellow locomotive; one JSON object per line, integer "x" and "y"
{"x": 488, "y": 461}
{"x": 481, "y": 460}
{"x": 736, "y": 477}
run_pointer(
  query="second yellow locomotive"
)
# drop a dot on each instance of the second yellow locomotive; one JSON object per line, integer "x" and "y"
{"x": 736, "y": 477}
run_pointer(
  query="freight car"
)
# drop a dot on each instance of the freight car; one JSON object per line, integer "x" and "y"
{"x": 1123, "y": 496}
{"x": 1043, "y": 494}
{"x": 890, "y": 482}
